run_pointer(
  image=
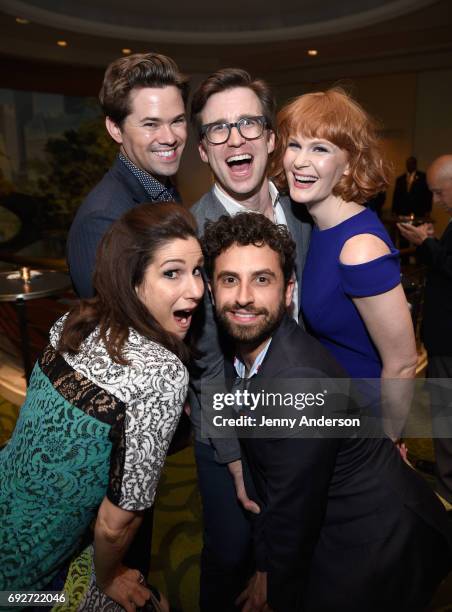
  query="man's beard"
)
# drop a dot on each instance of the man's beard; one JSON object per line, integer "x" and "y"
{"x": 251, "y": 335}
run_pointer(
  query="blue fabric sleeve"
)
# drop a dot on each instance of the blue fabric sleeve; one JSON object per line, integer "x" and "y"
{"x": 372, "y": 277}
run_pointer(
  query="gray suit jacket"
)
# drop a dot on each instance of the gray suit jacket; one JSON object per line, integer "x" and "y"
{"x": 210, "y": 365}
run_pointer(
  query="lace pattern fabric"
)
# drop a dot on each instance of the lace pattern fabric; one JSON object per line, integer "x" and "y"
{"x": 153, "y": 387}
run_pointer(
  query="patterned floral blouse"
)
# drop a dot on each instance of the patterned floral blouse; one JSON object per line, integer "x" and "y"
{"x": 88, "y": 428}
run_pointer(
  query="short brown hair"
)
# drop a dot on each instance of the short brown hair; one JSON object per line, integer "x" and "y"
{"x": 123, "y": 255}
{"x": 333, "y": 115}
{"x": 137, "y": 70}
{"x": 244, "y": 229}
{"x": 230, "y": 78}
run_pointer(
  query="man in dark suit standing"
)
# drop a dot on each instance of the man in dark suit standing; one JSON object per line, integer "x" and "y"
{"x": 436, "y": 254}
{"x": 143, "y": 97}
{"x": 345, "y": 524}
{"x": 411, "y": 193}
{"x": 233, "y": 115}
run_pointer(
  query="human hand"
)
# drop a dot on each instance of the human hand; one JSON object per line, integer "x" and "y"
{"x": 403, "y": 450}
{"x": 430, "y": 229}
{"x": 254, "y": 597}
{"x": 127, "y": 589}
{"x": 416, "y": 235}
{"x": 187, "y": 409}
{"x": 235, "y": 468}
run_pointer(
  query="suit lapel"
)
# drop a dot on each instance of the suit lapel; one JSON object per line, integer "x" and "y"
{"x": 214, "y": 208}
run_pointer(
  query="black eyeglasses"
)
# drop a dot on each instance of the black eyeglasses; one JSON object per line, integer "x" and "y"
{"x": 249, "y": 128}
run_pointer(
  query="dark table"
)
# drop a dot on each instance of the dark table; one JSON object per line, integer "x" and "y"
{"x": 19, "y": 291}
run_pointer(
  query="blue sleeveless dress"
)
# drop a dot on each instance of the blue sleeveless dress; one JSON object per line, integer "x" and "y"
{"x": 329, "y": 286}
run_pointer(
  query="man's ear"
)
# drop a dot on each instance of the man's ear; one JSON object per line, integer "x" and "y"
{"x": 270, "y": 141}
{"x": 202, "y": 152}
{"x": 289, "y": 291}
{"x": 114, "y": 130}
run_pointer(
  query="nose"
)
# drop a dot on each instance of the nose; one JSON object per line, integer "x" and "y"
{"x": 235, "y": 138}
{"x": 244, "y": 295}
{"x": 302, "y": 160}
{"x": 166, "y": 134}
{"x": 195, "y": 288}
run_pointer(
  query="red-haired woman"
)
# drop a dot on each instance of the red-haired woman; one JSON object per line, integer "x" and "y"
{"x": 352, "y": 300}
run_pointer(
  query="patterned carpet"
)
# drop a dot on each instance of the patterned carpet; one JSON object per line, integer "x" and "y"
{"x": 177, "y": 525}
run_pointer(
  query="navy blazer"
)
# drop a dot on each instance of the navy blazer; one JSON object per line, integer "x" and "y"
{"x": 345, "y": 524}
{"x": 115, "y": 194}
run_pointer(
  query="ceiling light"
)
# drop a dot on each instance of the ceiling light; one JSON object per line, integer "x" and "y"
{"x": 61, "y": 43}
{"x": 126, "y": 51}
{"x": 313, "y": 52}
{"x": 21, "y": 20}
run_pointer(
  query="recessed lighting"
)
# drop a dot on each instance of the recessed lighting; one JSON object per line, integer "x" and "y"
{"x": 21, "y": 20}
{"x": 61, "y": 43}
{"x": 126, "y": 51}
{"x": 313, "y": 52}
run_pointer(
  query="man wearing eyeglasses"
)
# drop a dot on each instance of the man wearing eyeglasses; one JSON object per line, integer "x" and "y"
{"x": 233, "y": 115}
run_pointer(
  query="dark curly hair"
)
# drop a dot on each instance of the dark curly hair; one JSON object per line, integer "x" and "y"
{"x": 244, "y": 229}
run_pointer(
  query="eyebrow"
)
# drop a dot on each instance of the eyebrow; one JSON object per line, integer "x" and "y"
{"x": 254, "y": 274}
{"x": 159, "y": 119}
{"x": 243, "y": 116}
{"x": 167, "y": 261}
{"x": 181, "y": 261}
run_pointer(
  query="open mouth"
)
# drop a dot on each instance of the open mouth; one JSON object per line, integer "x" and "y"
{"x": 240, "y": 164}
{"x": 305, "y": 180}
{"x": 183, "y": 318}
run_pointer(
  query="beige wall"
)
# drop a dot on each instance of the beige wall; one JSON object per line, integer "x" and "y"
{"x": 433, "y": 128}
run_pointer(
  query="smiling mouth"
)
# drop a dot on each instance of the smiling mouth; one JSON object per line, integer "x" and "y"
{"x": 166, "y": 154}
{"x": 244, "y": 316}
{"x": 305, "y": 179}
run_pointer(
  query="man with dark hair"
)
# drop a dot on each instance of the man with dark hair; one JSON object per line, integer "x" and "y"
{"x": 143, "y": 97}
{"x": 411, "y": 193}
{"x": 345, "y": 523}
{"x": 234, "y": 118}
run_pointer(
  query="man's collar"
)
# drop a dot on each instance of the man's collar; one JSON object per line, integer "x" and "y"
{"x": 240, "y": 367}
{"x": 233, "y": 207}
{"x": 154, "y": 188}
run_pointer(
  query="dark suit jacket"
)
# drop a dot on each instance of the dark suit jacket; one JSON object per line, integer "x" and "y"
{"x": 342, "y": 520}
{"x": 437, "y": 319}
{"x": 211, "y": 345}
{"x": 117, "y": 192}
{"x": 417, "y": 201}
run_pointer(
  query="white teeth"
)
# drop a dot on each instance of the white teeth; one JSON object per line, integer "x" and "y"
{"x": 235, "y": 158}
{"x": 164, "y": 153}
{"x": 306, "y": 178}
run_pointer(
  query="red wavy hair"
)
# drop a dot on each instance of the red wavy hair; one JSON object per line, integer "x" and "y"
{"x": 334, "y": 116}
